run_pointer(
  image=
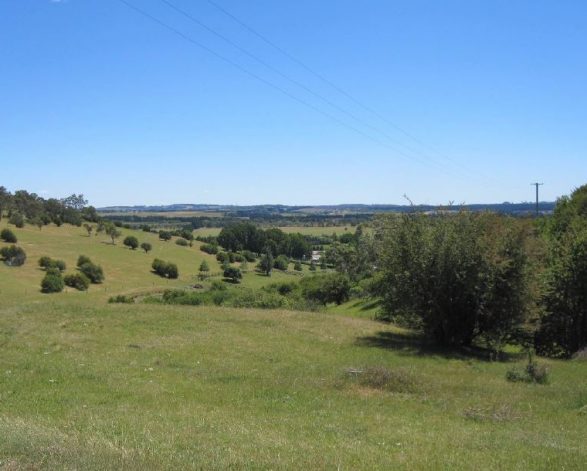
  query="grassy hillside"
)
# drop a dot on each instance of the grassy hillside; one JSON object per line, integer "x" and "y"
{"x": 89, "y": 385}
{"x": 126, "y": 270}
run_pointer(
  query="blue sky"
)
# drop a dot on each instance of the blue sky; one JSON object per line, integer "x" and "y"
{"x": 96, "y": 98}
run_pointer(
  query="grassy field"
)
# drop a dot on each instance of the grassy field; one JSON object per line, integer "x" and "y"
{"x": 165, "y": 214}
{"x": 90, "y": 385}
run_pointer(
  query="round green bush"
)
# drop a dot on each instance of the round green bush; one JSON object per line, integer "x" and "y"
{"x": 131, "y": 242}
{"x": 8, "y": 236}
{"x": 93, "y": 272}
{"x": 78, "y": 281}
{"x": 52, "y": 283}
{"x": 82, "y": 260}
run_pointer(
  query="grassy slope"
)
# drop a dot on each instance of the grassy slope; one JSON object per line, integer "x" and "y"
{"x": 88, "y": 385}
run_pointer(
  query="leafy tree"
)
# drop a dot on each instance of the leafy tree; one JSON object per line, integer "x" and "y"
{"x": 8, "y": 236}
{"x": 204, "y": 266}
{"x": 113, "y": 232}
{"x": 265, "y": 265}
{"x": 89, "y": 228}
{"x": 563, "y": 326}
{"x": 131, "y": 242}
{"x": 165, "y": 235}
{"x": 452, "y": 276}
{"x": 76, "y": 202}
{"x": 5, "y": 199}
{"x": 13, "y": 256}
{"x": 233, "y": 274}
{"x": 52, "y": 283}
{"x": 16, "y": 219}
{"x": 146, "y": 246}
{"x": 78, "y": 281}
{"x": 297, "y": 266}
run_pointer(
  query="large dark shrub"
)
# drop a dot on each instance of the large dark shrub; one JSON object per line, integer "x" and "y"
{"x": 182, "y": 242}
{"x": 165, "y": 269}
{"x": 8, "y": 236}
{"x": 330, "y": 288}
{"x": 82, "y": 259}
{"x": 47, "y": 263}
{"x": 233, "y": 274}
{"x": 52, "y": 283}
{"x": 93, "y": 272}
{"x": 78, "y": 281}
{"x": 211, "y": 249}
{"x": 13, "y": 256}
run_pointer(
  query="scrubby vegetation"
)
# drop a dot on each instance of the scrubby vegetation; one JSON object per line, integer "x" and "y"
{"x": 13, "y": 256}
{"x": 165, "y": 269}
{"x": 8, "y": 236}
{"x": 78, "y": 281}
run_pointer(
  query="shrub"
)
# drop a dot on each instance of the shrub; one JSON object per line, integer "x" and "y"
{"x": 211, "y": 249}
{"x": 531, "y": 373}
{"x": 82, "y": 260}
{"x": 52, "y": 283}
{"x": 8, "y": 236}
{"x": 281, "y": 262}
{"x": 165, "y": 235}
{"x": 165, "y": 269}
{"x": 182, "y": 242}
{"x": 298, "y": 266}
{"x": 48, "y": 263}
{"x": 233, "y": 274}
{"x": 131, "y": 242}
{"x": 78, "y": 281}
{"x": 222, "y": 257}
{"x": 13, "y": 256}
{"x": 121, "y": 298}
{"x": 330, "y": 288}
{"x": 146, "y": 247}
{"x": 17, "y": 220}
{"x": 93, "y": 272}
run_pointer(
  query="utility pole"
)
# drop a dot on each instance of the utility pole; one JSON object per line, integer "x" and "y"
{"x": 537, "y": 185}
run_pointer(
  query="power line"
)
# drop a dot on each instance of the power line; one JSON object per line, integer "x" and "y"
{"x": 287, "y": 77}
{"x": 339, "y": 89}
{"x": 265, "y": 81}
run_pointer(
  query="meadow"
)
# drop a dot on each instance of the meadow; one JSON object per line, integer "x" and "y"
{"x": 89, "y": 385}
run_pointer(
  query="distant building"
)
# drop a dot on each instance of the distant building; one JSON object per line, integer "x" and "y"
{"x": 315, "y": 256}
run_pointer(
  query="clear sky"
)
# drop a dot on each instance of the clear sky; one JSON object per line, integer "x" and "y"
{"x": 97, "y": 98}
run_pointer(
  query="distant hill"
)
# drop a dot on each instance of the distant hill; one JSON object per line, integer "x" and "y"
{"x": 341, "y": 209}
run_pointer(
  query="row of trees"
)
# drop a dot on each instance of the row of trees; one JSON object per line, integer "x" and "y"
{"x": 247, "y": 236}
{"x": 23, "y": 205}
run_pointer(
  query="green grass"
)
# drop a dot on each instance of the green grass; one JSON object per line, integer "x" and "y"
{"x": 89, "y": 385}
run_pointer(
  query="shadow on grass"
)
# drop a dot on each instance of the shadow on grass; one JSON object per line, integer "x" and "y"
{"x": 413, "y": 344}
